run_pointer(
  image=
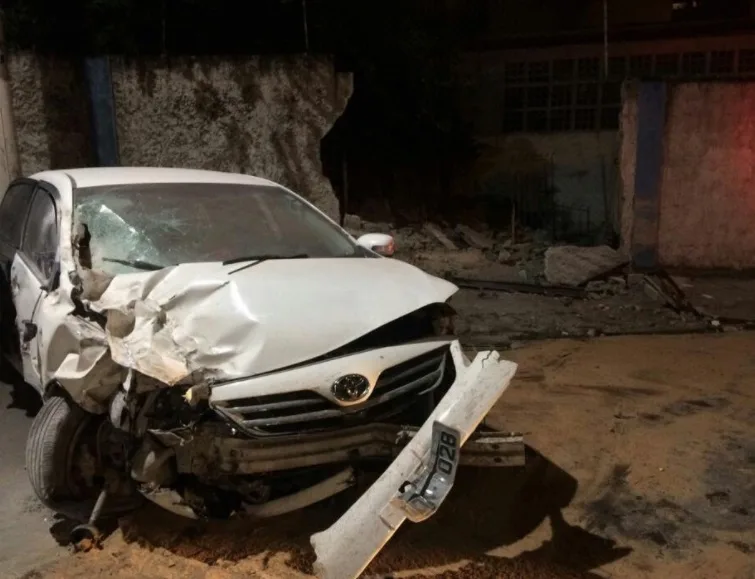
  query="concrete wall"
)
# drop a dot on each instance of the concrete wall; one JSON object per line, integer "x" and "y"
{"x": 51, "y": 113}
{"x": 707, "y": 194}
{"x": 708, "y": 188}
{"x": 259, "y": 115}
{"x": 627, "y": 163}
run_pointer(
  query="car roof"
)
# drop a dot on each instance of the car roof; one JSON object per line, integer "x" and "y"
{"x": 103, "y": 176}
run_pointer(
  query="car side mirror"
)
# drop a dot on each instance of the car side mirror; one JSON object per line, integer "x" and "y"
{"x": 380, "y": 243}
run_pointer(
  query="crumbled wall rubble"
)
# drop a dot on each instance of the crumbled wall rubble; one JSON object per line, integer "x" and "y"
{"x": 615, "y": 301}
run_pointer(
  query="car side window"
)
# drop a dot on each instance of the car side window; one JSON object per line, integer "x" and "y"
{"x": 13, "y": 211}
{"x": 40, "y": 243}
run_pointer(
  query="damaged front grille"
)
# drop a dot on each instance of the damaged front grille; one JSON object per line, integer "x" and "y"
{"x": 413, "y": 386}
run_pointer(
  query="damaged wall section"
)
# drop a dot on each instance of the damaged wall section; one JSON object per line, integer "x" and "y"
{"x": 263, "y": 115}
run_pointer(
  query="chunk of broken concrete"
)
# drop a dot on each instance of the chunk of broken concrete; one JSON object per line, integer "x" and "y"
{"x": 572, "y": 266}
{"x": 435, "y": 232}
{"x": 474, "y": 238}
{"x": 352, "y": 222}
{"x": 505, "y": 256}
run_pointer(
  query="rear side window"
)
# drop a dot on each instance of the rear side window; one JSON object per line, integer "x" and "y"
{"x": 13, "y": 211}
{"x": 41, "y": 235}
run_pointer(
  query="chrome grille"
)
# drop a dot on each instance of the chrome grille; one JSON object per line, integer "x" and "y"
{"x": 398, "y": 389}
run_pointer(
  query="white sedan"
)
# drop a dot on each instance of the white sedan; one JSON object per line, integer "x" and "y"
{"x": 216, "y": 344}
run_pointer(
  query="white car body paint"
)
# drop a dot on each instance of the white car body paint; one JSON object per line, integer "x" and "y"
{"x": 221, "y": 324}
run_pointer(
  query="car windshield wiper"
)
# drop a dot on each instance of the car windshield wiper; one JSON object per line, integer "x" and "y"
{"x": 136, "y": 263}
{"x": 263, "y": 257}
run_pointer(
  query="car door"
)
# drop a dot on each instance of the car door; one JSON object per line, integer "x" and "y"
{"x": 14, "y": 209}
{"x": 34, "y": 275}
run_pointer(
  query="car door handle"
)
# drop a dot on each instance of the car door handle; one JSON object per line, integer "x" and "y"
{"x": 29, "y": 332}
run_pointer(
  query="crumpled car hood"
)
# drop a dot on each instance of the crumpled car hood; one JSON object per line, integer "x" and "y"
{"x": 235, "y": 321}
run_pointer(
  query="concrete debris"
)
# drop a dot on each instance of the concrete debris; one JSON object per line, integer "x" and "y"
{"x": 653, "y": 293}
{"x": 504, "y": 256}
{"x": 612, "y": 286}
{"x": 522, "y": 303}
{"x": 571, "y": 265}
{"x": 635, "y": 280}
{"x": 435, "y": 231}
{"x": 352, "y": 222}
{"x": 474, "y": 238}
{"x": 517, "y": 287}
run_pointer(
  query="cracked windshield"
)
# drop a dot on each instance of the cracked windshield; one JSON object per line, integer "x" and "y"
{"x": 151, "y": 226}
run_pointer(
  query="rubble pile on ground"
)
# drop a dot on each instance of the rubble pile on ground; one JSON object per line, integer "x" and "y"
{"x": 574, "y": 266}
{"x": 537, "y": 291}
{"x": 461, "y": 251}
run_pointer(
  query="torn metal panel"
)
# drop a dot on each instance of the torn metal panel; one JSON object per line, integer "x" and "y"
{"x": 171, "y": 501}
{"x": 314, "y": 494}
{"x": 347, "y": 547}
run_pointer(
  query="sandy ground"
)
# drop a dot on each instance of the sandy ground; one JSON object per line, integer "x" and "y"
{"x": 643, "y": 466}
{"x": 26, "y": 540}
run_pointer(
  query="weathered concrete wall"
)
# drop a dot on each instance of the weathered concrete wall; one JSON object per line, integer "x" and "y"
{"x": 259, "y": 115}
{"x": 627, "y": 163}
{"x": 51, "y": 113}
{"x": 579, "y": 166}
{"x": 707, "y": 198}
{"x": 708, "y": 187}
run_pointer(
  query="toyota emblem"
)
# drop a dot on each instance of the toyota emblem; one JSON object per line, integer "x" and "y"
{"x": 350, "y": 388}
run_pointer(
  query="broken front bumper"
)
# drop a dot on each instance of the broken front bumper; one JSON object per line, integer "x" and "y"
{"x": 204, "y": 452}
{"x": 416, "y": 483}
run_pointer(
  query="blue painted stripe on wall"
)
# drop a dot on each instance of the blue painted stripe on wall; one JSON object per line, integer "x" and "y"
{"x": 102, "y": 106}
{"x": 651, "y": 124}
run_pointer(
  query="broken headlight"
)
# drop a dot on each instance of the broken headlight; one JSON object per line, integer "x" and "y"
{"x": 443, "y": 320}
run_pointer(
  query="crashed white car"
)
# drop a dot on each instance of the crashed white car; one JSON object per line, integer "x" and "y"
{"x": 216, "y": 344}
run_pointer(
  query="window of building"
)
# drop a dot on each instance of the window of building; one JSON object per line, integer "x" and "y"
{"x": 667, "y": 64}
{"x": 641, "y": 66}
{"x": 693, "y": 63}
{"x": 722, "y": 62}
{"x": 577, "y": 94}
{"x": 558, "y": 95}
{"x": 747, "y": 61}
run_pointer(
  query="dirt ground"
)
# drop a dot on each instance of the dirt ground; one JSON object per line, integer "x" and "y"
{"x": 643, "y": 465}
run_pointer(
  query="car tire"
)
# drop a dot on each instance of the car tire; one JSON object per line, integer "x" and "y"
{"x": 52, "y": 439}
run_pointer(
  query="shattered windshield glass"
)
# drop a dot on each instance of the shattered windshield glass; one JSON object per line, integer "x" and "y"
{"x": 155, "y": 225}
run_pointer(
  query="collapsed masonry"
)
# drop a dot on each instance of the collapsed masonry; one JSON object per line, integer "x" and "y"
{"x": 527, "y": 289}
{"x": 463, "y": 251}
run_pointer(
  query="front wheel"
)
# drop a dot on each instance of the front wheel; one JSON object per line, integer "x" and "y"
{"x": 64, "y": 461}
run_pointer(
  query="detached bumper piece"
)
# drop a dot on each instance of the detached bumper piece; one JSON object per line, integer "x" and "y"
{"x": 416, "y": 483}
